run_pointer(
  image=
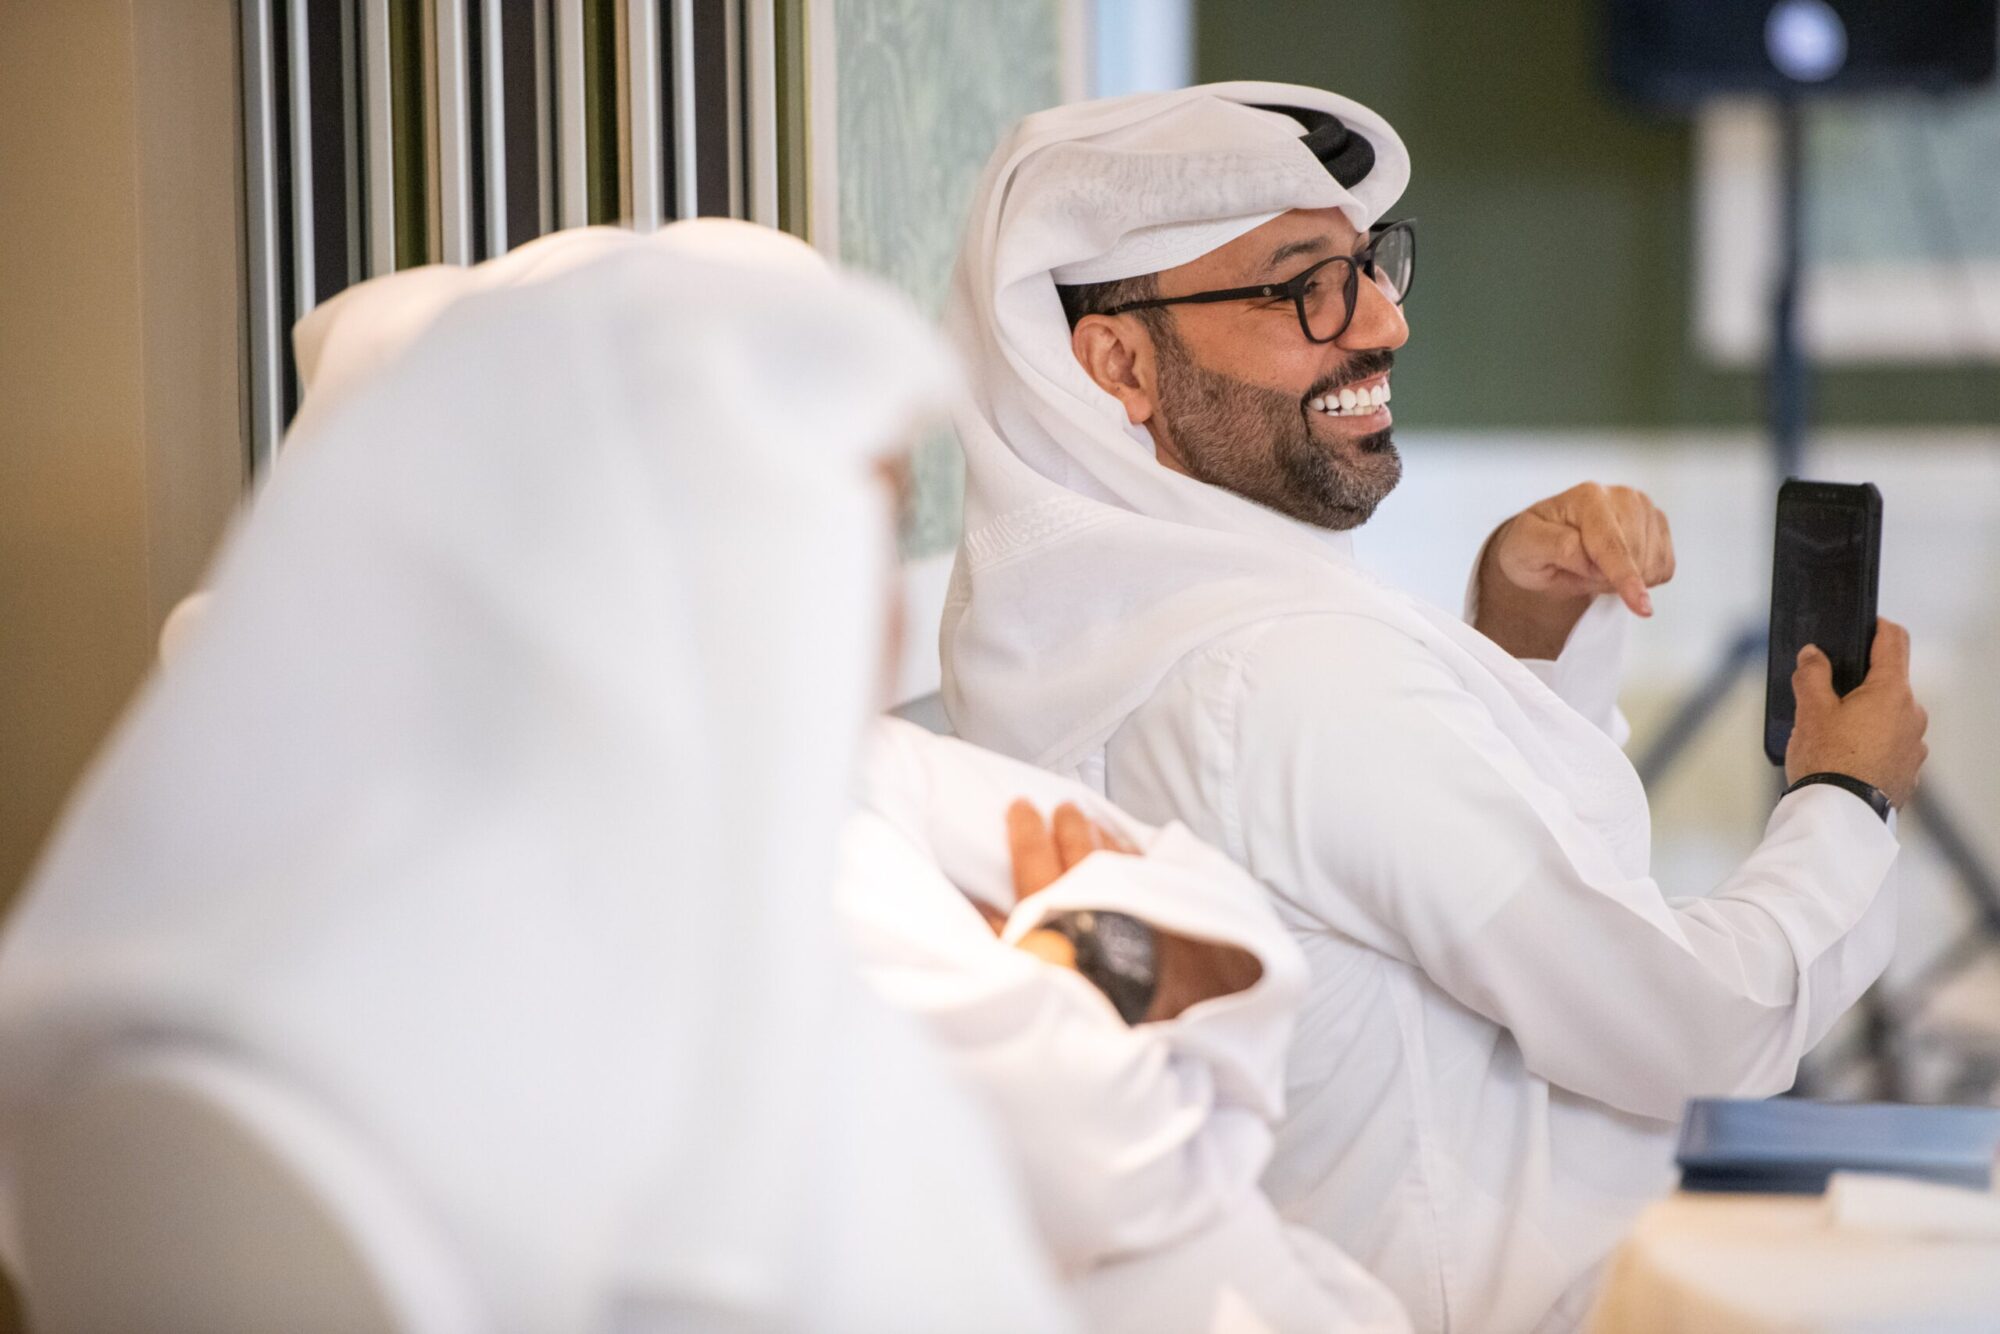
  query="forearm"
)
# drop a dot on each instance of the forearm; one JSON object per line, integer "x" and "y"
{"x": 1715, "y": 996}
{"x": 1526, "y": 624}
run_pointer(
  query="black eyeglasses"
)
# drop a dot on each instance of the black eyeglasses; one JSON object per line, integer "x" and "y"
{"x": 1324, "y": 294}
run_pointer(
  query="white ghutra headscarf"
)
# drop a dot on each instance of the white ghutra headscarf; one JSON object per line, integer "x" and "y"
{"x": 492, "y": 805}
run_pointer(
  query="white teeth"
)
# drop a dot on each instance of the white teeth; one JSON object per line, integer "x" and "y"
{"x": 1351, "y": 402}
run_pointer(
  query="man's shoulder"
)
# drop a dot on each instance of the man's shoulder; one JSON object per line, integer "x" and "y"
{"x": 1312, "y": 680}
{"x": 1354, "y": 649}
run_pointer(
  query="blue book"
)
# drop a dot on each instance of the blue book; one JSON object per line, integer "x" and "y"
{"x": 1790, "y": 1146}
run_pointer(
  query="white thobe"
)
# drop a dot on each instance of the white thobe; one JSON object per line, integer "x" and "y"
{"x": 1504, "y": 1021}
{"x": 1140, "y": 1145}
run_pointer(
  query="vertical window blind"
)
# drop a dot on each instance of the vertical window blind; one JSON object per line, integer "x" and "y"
{"x": 384, "y": 134}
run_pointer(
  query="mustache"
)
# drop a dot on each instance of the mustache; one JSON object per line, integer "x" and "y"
{"x": 1364, "y": 365}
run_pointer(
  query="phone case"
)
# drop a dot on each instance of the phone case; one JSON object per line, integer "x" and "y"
{"x": 1804, "y": 590}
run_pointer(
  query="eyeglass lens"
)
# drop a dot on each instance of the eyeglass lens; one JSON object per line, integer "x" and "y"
{"x": 1395, "y": 262}
{"x": 1328, "y": 291}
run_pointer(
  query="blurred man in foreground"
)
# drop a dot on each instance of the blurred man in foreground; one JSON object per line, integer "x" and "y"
{"x": 473, "y": 821}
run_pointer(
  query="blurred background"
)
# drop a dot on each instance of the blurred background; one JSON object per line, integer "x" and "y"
{"x": 180, "y": 180}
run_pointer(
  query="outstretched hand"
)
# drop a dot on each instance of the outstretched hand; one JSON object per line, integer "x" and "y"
{"x": 1544, "y": 565}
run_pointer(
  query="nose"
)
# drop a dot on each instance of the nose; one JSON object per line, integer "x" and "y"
{"x": 1378, "y": 323}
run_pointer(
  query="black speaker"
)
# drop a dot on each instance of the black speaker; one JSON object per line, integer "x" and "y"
{"x": 1675, "y": 53}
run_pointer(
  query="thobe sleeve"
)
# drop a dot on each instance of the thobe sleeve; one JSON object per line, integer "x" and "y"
{"x": 1141, "y": 1146}
{"x": 1139, "y": 1160}
{"x": 1251, "y": 1273}
{"x": 1367, "y": 780}
{"x": 1125, "y": 1141}
{"x": 1585, "y": 675}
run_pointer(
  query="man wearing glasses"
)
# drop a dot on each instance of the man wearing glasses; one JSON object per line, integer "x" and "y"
{"x": 1182, "y": 312}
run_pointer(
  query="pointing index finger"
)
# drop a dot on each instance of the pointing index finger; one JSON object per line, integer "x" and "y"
{"x": 1608, "y": 550}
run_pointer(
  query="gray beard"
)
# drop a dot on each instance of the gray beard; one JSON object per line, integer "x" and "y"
{"x": 1257, "y": 443}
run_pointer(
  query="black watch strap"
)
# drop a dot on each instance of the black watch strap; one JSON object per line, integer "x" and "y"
{"x": 1877, "y": 799}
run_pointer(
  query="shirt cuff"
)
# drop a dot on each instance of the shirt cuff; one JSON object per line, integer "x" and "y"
{"x": 1587, "y": 672}
{"x": 1837, "y": 852}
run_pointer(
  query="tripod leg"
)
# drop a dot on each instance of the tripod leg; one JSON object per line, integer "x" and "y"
{"x": 1964, "y": 859}
{"x": 1888, "y": 1021}
{"x": 1694, "y": 711}
{"x": 1884, "y": 1047}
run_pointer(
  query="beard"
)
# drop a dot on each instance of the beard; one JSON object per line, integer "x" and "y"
{"x": 1259, "y": 442}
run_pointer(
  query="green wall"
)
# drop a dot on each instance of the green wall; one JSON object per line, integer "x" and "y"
{"x": 1555, "y": 282}
{"x": 926, "y": 88}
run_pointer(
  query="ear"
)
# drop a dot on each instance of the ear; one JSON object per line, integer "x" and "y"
{"x": 1116, "y": 352}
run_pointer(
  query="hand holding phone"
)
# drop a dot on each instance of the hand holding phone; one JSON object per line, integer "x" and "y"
{"x": 1837, "y": 695}
{"x": 1824, "y": 571}
{"x": 1874, "y": 733}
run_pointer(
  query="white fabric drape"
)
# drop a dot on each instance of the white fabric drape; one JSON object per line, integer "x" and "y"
{"x": 1506, "y": 1011}
{"x": 493, "y": 804}
{"x": 1141, "y": 1146}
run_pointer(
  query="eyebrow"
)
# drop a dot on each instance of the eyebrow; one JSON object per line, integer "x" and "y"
{"x": 1293, "y": 249}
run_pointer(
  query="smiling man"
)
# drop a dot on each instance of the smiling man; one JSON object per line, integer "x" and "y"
{"x": 1183, "y": 310}
{"x": 1234, "y": 419}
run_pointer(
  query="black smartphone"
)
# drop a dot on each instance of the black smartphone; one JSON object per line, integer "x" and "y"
{"x": 1823, "y": 582}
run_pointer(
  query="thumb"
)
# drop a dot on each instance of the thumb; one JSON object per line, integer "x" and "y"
{"x": 1812, "y": 682}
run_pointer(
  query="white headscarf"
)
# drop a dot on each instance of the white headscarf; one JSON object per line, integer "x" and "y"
{"x": 348, "y": 338}
{"x": 493, "y": 805}
{"x": 1087, "y": 569}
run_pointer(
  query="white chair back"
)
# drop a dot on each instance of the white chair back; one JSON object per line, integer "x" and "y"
{"x": 181, "y": 1193}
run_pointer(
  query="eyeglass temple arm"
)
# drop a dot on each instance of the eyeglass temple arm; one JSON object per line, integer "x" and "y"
{"x": 1365, "y": 257}
{"x": 1202, "y": 298}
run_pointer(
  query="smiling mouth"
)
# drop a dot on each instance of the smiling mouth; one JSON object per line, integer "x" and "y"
{"x": 1357, "y": 400}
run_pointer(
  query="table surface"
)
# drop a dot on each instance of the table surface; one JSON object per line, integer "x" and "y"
{"x": 1746, "y": 1264}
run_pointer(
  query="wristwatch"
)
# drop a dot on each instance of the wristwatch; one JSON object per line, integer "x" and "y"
{"x": 1117, "y": 954}
{"x": 1877, "y": 799}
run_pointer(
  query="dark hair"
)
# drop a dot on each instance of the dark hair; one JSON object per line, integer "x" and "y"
{"x": 1081, "y": 299}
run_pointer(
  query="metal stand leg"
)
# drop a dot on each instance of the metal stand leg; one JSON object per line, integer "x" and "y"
{"x": 1787, "y": 411}
{"x": 1744, "y": 654}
